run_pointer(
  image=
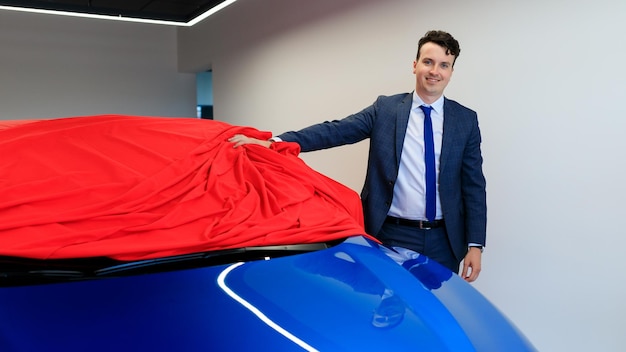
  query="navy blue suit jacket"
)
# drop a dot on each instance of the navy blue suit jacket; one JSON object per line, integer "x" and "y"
{"x": 461, "y": 180}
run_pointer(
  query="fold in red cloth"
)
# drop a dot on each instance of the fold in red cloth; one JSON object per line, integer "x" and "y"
{"x": 132, "y": 188}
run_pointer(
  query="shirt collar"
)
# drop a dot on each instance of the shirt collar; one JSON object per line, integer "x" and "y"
{"x": 437, "y": 105}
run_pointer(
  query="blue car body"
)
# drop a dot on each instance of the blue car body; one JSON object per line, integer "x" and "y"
{"x": 353, "y": 296}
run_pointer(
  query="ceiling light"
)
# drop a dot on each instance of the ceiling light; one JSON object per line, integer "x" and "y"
{"x": 123, "y": 18}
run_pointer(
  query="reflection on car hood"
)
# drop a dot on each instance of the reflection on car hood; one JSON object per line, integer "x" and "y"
{"x": 355, "y": 296}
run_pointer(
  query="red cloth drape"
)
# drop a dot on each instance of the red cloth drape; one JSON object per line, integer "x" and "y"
{"x": 131, "y": 188}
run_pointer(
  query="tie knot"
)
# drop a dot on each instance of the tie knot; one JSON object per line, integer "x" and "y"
{"x": 426, "y": 109}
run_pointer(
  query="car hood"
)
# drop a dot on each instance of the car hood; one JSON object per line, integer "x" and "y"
{"x": 356, "y": 296}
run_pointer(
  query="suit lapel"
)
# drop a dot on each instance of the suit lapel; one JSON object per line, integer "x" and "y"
{"x": 402, "y": 122}
{"x": 449, "y": 132}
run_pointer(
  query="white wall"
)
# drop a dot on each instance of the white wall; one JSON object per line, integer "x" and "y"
{"x": 53, "y": 66}
{"x": 547, "y": 79}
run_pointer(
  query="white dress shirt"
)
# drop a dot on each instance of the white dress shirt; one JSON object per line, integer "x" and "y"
{"x": 409, "y": 192}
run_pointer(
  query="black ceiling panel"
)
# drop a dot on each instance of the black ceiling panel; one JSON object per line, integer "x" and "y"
{"x": 164, "y": 10}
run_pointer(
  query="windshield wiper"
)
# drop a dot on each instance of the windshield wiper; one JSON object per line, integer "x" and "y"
{"x": 18, "y": 278}
{"x": 196, "y": 260}
{"x": 15, "y": 271}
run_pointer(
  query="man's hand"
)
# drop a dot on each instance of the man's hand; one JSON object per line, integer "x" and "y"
{"x": 240, "y": 139}
{"x": 471, "y": 264}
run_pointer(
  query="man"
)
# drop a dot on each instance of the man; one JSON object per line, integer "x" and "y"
{"x": 394, "y": 197}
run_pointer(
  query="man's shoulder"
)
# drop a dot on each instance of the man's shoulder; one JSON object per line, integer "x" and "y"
{"x": 456, "y": 106}
{"x": 395, "y": 97}
{"x": 393, "y": 101}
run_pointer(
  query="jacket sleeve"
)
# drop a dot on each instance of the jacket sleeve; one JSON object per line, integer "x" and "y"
{"x": 328, "y": 134}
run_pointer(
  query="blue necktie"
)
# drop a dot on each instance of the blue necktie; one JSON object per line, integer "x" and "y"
{"x": 429, "y": 158}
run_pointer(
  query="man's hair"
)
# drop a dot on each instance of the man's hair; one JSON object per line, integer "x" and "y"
{"x": 444, "y": 40}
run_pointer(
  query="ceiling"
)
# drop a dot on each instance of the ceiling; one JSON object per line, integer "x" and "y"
{"x": 182, "y": 11}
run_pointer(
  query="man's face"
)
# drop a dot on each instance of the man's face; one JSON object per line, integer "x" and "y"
{"x": 432, "y": 70}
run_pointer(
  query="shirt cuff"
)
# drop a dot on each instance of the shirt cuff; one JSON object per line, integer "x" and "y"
{"x": 480, "y": 246}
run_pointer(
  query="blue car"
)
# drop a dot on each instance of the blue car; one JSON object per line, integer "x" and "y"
{"x": 150, "y": 234}
{"x": 351, "y": 296}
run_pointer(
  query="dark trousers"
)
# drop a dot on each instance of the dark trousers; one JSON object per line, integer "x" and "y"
{"x": 432, "y": 243}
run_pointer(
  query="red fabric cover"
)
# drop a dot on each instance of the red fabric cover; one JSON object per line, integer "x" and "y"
{"x": 4, "y": 124}
{"x": 132, "y": 188}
